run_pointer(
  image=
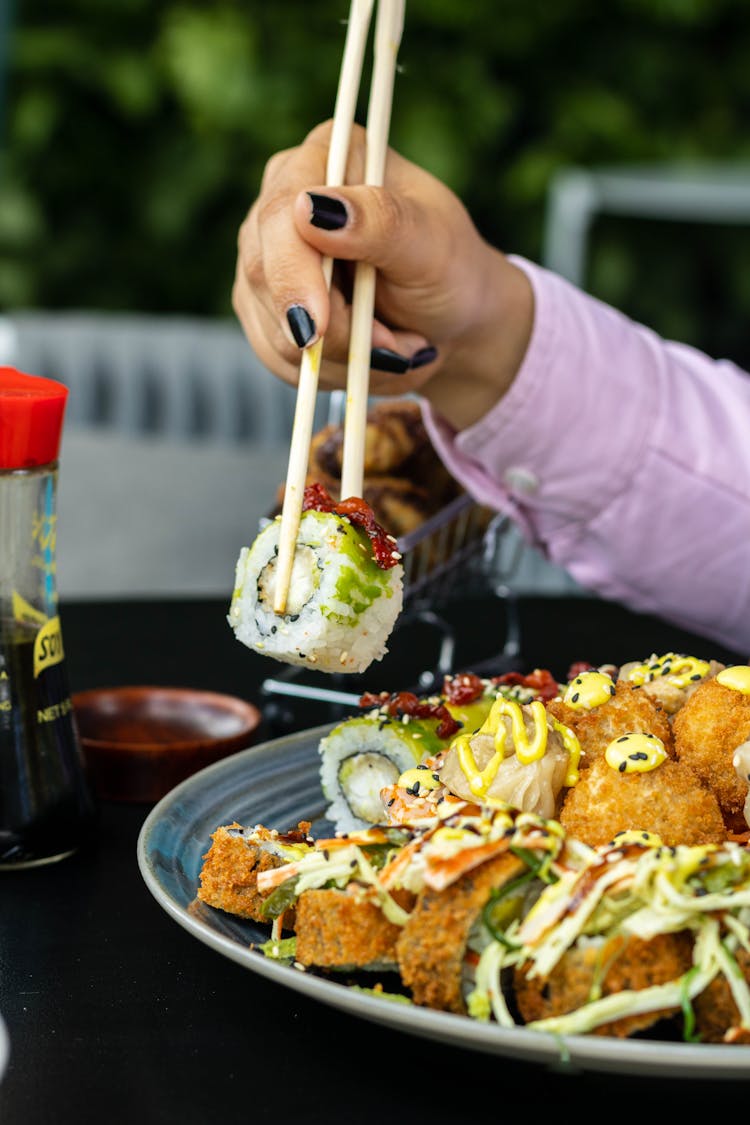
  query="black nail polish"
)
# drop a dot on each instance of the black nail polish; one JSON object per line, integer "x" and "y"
{"x": 383, "y": 359}
{"x": 301, "y": 324}
{"x": 327, "y": 213}
{"x": 423, "y": 357}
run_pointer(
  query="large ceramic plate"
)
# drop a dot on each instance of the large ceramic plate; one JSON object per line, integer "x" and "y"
{"x": 277, "y": 784}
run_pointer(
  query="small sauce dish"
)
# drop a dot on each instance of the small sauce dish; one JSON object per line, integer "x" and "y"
{"x": 139, "y": 742}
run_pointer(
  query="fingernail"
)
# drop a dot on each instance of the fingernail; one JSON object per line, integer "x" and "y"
{"x": 423, "y": 357}
{"x": 327, "y": 213}
{"x": 383, "y": 359}
{"x": 301, "y": 324}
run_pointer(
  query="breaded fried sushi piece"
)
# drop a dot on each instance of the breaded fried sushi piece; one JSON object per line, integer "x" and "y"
{"x": 599, "y": 967}
{"x": 669, "y": 801}
{"x": 708, "y": 730}
{"x": 628, "y": 710}
{"x": 432, "y": 946}
{"x": 670, "y": 679}
{"x": 717, "y": 1018}
{"x": 229, "y": 875}
{"x": 346, "y": 930}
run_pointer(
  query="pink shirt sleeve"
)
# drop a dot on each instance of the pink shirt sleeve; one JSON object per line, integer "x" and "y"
{"x": 624, "y": 458}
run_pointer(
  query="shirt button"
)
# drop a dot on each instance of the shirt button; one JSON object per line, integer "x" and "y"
{"x": 518, "y": 479}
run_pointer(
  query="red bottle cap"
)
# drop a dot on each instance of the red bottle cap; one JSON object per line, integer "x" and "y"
{"x": 31, "y": 417}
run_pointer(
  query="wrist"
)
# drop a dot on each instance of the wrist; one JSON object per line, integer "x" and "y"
{"x": 480, "y": 365}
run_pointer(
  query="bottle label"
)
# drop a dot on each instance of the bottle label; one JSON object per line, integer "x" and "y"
{"x": 48, "y": 646}
{"x": 25, "y": 612}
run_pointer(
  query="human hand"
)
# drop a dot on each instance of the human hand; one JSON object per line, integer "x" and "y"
{"x": 452, "y": 315}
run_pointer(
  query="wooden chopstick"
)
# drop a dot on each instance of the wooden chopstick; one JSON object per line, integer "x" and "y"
{"x": 357, "y": 31}
{"x": 388, "y": 30}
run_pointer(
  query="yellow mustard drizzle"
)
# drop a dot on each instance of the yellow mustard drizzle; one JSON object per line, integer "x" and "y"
{"x": 635, "y": 753}
{"x": 573, "y": 746}
{"x": 424, "y": 778}
{"x": 637, "y": 836}
{"x": 675, "y": 667}
{"x": 526, "y": 751}
{"x": 589, "y": 690}
{"x": 736, "y": 677}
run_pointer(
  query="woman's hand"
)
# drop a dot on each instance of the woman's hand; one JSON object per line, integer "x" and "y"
{"x": 453, "y": 316}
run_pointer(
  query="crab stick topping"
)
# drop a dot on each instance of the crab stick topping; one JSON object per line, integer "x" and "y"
{"x": 736, "y": 677}
{"x": 635, "y": 753}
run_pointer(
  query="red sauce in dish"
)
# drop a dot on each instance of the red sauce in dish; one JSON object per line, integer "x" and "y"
{"x": 360, "y": 514}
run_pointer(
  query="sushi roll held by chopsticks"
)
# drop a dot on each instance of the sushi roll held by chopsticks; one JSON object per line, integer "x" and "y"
{"x": 344, "y": 596}
{"x": 322, "y": 585}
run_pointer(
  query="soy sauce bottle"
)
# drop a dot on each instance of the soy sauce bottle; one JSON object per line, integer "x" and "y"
{"x": 46, "y": 807}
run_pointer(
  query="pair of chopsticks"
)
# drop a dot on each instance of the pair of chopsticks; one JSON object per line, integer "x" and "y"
{"x": 388, "y": 30}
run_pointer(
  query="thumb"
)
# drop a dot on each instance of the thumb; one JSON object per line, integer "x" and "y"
{"x": 371, "y": 224}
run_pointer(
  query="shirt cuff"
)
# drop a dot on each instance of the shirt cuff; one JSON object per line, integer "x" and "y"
{"x": 573, "y": 427}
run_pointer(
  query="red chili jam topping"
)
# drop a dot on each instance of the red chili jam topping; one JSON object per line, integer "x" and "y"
{"x": 360, "y": 514}
{"x": 462, "y": 688}
{"x": 540, "y": 681}
{"x": 406, "y": 703}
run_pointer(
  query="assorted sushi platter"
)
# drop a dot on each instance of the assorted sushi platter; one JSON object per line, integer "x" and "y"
{"x": 557, "y": 870}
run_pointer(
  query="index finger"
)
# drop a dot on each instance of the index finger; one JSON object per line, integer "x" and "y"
{"x": 287, "y": 273}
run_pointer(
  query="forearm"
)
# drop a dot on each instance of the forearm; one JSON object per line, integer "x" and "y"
{"x": 625, "y": 459}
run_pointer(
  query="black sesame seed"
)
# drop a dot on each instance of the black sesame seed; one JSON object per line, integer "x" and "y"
{"x": 294, "y": 617}
{"x": 326, "y": 854}
{"x": 421, "y": 767}
{"x": 697, "y": 676}
{"x": 576, "y": 697}
{"x": 622, "y": 767}
{"x": 273, "y": 628}
{"x": 391, "y": 801}
{"x": 624, "y": 738}
{"x": 414, "y": 790}
{"x": 436, "y": 776}
{"x": 440, "y": 800}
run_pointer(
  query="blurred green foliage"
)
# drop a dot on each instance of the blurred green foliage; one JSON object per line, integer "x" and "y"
{"x": 136, "y": 132}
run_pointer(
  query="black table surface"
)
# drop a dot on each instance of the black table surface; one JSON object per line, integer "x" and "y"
{"x": 116, "y": 1014}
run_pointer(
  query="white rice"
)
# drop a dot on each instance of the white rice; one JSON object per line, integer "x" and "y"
{"x": 341, "y": 607}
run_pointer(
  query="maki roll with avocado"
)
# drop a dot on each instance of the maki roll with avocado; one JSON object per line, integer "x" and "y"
{"x": 345, "y": 593}
{"x": 365, "y": 754}
{"x": 397, "y": 743}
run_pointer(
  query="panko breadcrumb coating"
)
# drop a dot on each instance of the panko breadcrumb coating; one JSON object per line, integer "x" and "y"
{"x": 708, "y": 730}
{"x": 345, "y": 930}
{"x": 716, "y": 1014}
{"x": 611, "y": 966}
{"x": 229, "y": 876}
{"x": 629, "y": 710}
{"x": 432, "y": 944}
{"x": 669, "y": 801}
